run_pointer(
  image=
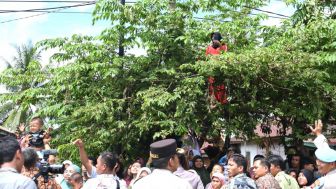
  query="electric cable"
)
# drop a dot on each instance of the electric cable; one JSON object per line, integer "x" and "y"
{"x": 50, "y": 8}
{"x": 26, "y": 17}
{"x": 87, "y": 3}
{"x": 36, "y": 1}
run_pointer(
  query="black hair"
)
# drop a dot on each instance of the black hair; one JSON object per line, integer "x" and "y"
{"x": 119, "y": 172}
{"x": 39, "y": 119}
{"x": 77, "y": 177}
{"x": 235, "y": 149}
{"x": 240, "y": 160}
{"x": 30, "y": 158}
{"x": 257, "y": 157}
{"x": 195, "y": 158}
{"x": 263, "y": 162}
{"x": 109, "y": 159}
{"x": 9, "y": 146}
{"x": 216, "y": 36}
{"x": 293, "y": 170}
{"x": 307, "y": 160}
{"x": 161, "y": 163}
{"x": 276, "y": 160}
{"x": 290, "y": 159}
{"x": 183, "y": 161}
{"x": 93, "y": 159}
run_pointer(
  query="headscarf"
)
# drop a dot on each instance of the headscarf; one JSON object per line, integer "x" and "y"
{"x": 309, "y": 176}
{"x": 76, "y": 168}
{"x": 64, "y": 184}
{"x": 220, "y": 177}
{"x": 202, "y": 172}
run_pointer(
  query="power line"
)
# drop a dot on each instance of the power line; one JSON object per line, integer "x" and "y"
{"x": 50, "y": 8}
{"x": 266, "y": 11}
{"x": 87, "y": 3}
{"x": 22, "y": 18}
{"x": 271, "y": 12}
{"x": 50, "y": 1}
{"x": 67, "y": 12}
{"x": 26, "y": 17}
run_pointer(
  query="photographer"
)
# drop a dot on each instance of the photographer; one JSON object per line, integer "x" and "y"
{"x": 31, "y": 170}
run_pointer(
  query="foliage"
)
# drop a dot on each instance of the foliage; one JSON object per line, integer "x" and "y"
{"x": 22, "y": 79}
{"x": 123, "y": 103}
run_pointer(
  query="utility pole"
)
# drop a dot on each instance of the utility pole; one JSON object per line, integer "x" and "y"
{"x": 121, "y": 37}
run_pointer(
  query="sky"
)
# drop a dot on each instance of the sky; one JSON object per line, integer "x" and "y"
{"x": 53, "y": 25}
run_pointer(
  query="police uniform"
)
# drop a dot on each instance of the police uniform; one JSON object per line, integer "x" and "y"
{"x": 162, "y": 178}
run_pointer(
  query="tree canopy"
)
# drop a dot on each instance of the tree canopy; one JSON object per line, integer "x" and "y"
{"x": 21, "y": 78}
{"x": 281, "y": 73}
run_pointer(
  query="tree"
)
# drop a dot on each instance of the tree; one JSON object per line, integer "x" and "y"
{"x": 123, "y": 103}
{"x": 22, "y": 76}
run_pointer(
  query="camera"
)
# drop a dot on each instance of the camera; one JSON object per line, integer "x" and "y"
{"x": 46, "y": 153}
{"x": 46, "y": 169}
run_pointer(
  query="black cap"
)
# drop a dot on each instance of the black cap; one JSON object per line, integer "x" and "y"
{"x": 163, "y": 148}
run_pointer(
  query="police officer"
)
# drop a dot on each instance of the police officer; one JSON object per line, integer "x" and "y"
{"x": 165, "y": 162}
{"x": 325, "y": 158}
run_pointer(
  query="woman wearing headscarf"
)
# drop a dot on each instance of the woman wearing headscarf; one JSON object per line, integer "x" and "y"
{"x": 217, "y": 181}
{"x": 198, "y": 166}
{"x": 65, "y": 179}
{"x": 305, "y": 178}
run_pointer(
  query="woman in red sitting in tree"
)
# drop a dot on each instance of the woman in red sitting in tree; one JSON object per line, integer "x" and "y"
{"x": 218, "y": 91}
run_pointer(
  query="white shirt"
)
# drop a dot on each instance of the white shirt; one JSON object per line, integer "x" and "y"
{"x": 321, "y": 142}
{"x": 11, "y": 179}
{"x": 161, "y": 179}
{"x": 329, "y": 180}
{"x": 103, "y": 181}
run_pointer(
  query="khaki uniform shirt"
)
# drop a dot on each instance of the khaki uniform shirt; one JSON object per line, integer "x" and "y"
{"x": 286, "y": 181}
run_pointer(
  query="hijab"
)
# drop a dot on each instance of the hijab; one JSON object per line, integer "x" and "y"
{"x": 309, "y": 176}
{"x": 221, "y": 178}
{"x": 202, "y": 172}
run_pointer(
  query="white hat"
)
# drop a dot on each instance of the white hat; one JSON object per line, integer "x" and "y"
{"x": 327, "y": 155}
{"x": 67, "y": 162}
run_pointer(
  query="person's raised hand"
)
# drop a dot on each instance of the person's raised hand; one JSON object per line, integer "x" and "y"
{"x": 317, "y": 130}
{"x": 22, "y": 127}
{"x": 79, "y": 143}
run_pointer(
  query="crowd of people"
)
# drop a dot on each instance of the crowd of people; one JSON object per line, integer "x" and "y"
{"x": 26, "y": 164}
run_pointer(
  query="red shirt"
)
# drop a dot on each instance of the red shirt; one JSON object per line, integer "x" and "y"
{"x": 217, "y": 91}
{"x": 213, "y": 51}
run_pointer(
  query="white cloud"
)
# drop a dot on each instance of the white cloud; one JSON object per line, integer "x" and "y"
{"x": 6, "y": 49}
